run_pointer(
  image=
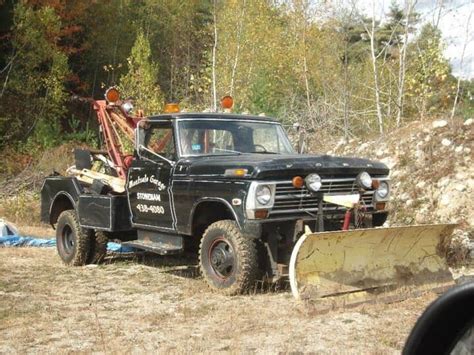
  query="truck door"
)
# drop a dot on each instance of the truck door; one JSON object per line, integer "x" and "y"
{"x": 150, "y": 176}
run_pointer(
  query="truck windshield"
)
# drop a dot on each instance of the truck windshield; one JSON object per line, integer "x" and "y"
{"x": 224, "y": 137}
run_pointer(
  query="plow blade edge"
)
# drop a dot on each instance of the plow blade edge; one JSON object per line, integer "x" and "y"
{"x": 369, "y": 261}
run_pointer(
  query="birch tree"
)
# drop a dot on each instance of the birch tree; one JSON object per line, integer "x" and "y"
{"x": 458, "y": 84}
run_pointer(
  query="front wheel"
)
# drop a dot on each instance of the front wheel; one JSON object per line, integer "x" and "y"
{"x": 228, "y": 258}
{"x": 72, "y": 241}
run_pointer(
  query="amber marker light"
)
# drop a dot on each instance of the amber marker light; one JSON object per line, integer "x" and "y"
{"x": 112, "y": 95}
{"x": 375, "y": 184}
{"x": 227, "y": 102}
{"x": 171, "y": 108}
{"x": 298, "y": 182}
{"x": 379, "y": 206}
{"x": 236, "y": 172}
{"x": 261, "y": 214}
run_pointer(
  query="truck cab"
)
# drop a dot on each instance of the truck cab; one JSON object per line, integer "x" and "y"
{"x": 229, "y": 187}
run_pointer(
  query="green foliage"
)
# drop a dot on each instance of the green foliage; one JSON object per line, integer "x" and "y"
{"x": 428, "y": 72}
{"x": 34, "y": 94}
{"x": 140, "y": 83}
{"x": 288, "y": 59}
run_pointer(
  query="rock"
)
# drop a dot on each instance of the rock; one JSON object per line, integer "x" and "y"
{"x": 420, "y": 218}
{"x": 459, "y": 149}
{"x": 362, "y": 147}
{"x": 389, "y": 161}
{"x": 439, "y": 123}
{"x": 421, "y": 185}
{"x": 445, "y": 200}
{"x": 461, "y": 175}
{"x": 443, "y": 182}
{"x": 409, "y": 202}
{"x": 459, "y": 187}
{"x": 405, "y": 196}
{"x": 446, "y": 142}
{"x": 468, "y": 122}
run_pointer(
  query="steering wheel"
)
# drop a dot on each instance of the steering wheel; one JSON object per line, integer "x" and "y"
{"x": 260, "y": 146}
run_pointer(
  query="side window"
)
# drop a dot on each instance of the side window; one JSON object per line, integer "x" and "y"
{"x": 160, "y": 140}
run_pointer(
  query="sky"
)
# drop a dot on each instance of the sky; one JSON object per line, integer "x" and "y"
{"x": 453, "y": 20}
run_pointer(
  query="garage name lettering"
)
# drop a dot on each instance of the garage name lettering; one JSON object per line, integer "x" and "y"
{"x": 146, "y": 179}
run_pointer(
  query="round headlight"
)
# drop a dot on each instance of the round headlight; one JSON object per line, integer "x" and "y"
{"x": 127, "y": 107}
{"x": 263, "y": 194}
{"x": 364, "y": 180}
{"x": 313, "y": 182}
{"x": 383, "y": 189}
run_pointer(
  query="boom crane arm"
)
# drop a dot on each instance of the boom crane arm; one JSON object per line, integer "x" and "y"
{"x": 115, "y": 122}
{"x": 112, "y": 118}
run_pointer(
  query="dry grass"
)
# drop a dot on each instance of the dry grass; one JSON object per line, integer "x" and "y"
{"x": 147, "y": 304}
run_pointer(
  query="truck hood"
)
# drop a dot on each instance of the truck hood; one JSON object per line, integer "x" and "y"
{"x": 266, "y": 166}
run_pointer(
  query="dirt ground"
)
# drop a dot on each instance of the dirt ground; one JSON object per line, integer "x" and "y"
{"x": 145, "y": 304}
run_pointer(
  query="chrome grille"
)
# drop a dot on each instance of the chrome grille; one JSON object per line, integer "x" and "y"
{"x": 289, "y": 200}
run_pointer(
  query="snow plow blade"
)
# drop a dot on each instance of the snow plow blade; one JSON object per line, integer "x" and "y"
{"x": 362, "y": 264}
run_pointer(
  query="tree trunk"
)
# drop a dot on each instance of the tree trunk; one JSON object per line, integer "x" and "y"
{"x": 214, "y": 50}
{"x": 237, "y": 51}
{"x": 371, "y": 34}
{"x": 458, "y": 87}
{"x": 402, "y": 67}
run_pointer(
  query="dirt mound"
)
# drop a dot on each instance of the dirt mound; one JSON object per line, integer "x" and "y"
{"x": 432, "y": 174}
{"x": 432, "y": 170}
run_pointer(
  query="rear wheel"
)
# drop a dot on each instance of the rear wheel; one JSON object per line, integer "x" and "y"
{"x": 72, "y": 241}
{"x": 98, "y": 249}
{"x": 228, "y": 258}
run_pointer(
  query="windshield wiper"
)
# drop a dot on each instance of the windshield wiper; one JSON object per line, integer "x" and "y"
{"x": 265, "y": 152}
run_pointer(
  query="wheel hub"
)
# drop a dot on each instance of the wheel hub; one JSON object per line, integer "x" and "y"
{"x": 68, "y": 240}
{"x": 222, "y": 258}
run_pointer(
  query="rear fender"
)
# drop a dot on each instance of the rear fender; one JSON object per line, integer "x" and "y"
{"x": 58, "y": 194}
{"x": 61, "y": 202}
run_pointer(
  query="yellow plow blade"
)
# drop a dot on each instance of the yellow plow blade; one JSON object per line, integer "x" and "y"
{"x": 369, "y": 261}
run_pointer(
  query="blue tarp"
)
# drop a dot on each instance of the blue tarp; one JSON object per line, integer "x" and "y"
{"x": 19, "y": 241}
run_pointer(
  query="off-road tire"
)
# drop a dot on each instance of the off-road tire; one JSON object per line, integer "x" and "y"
{"x": 245, "y": 267}
{"x": 72, "y": 241}
{"x": 378, "y": 219}
{"x": 98, "y": 247}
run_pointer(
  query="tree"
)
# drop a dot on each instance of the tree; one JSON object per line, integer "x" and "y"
{"x": 428, "y": 70}
{"x": 140, "y": 83}
{"x": 33, "y": 94}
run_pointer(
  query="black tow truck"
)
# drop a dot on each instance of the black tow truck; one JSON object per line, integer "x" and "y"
{"x": 231, "y": 187}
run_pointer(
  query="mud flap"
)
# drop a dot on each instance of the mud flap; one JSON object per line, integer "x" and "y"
{"x": 362, "y": 263}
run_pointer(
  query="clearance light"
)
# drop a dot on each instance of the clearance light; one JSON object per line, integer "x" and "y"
{"x": 172, "y": 108}
{"x": 112, "y": 95}
{"x": 236, "y": 172}
{"x": 298, "y": 182}
{"x": 227, "y": 102}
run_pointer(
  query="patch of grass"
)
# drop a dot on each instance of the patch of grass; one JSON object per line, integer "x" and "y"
{"x": 23, "y": 208}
